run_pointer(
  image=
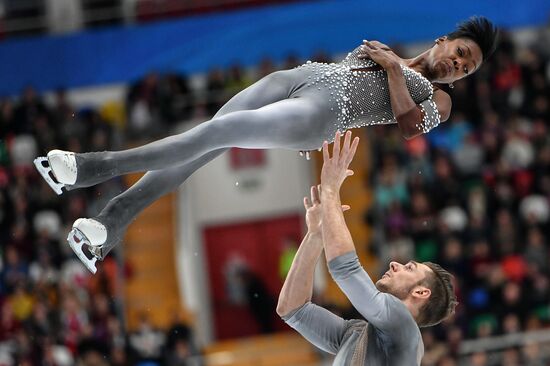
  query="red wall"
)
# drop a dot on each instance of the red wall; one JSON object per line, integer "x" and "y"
{"x": 259, "y": 244}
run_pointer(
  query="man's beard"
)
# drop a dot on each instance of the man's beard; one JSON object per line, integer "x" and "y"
{"x": 400, "y": 293}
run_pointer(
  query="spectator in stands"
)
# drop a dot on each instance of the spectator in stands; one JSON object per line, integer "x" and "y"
{"x": 265, "y": 68}
{"x": 215, "y": 91}
{"x": 236, "y": 80}
{"x": 14, "y": 271}
{"x": 176, "y": 100}
{"x": 143, "y": 102}
{"x": 147, "y": 342}
{"x": 27, "y": 111}
{"x": 258, "y": 299}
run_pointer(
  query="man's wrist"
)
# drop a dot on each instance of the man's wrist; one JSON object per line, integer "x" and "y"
{"x": 329, "y": 193}
{"x": 315, "y": 233}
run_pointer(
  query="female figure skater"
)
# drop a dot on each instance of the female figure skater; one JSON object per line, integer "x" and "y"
{"x": 294, "y": 109}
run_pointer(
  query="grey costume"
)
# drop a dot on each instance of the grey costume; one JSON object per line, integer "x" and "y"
{"x": 293, "y": 109}
{"x": 393, "y": 337}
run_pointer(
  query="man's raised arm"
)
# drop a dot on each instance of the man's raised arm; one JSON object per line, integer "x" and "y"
{"x": 319, "y": 326}
{"x": 298, "y": 286}
{"x": 335, "y": 170}
{"x": 382, "y": 310}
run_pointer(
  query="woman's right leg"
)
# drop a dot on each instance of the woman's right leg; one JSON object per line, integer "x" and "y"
{"x": 94, "y": 168}
{"x": 122, "y": 209}
{"x": 297, "y": 123}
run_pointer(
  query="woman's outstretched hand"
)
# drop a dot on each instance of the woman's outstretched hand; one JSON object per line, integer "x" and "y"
{"x": 379, "y": 53}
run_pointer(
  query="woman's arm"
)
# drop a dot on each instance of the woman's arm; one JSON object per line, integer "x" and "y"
{"x": 319, "y": 326}
{"x": 408, "y": 114}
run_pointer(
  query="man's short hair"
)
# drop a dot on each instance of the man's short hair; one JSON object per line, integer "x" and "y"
{"x": 442, "y": 301}
{"x": 481, "y": 31}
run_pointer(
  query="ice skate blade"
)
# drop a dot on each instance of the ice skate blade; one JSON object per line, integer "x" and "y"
{"x": 77, "y": 240}
{"x": 45, "y": 173}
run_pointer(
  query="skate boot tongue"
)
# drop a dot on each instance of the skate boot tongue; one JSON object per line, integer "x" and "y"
{"x": 58, "y": 169}
{"x": 63, "y": 165}
{"x": 95, "y": 231}
{"x": 86, "y": 240}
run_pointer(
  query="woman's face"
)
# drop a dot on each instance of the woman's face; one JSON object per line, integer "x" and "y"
{"x": 451, "y": 60}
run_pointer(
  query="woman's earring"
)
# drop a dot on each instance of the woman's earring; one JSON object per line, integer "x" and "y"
{"x": 451, "y": 86}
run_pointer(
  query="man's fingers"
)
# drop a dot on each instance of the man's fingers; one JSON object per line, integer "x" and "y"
{"x": 326, "y": 155}
{"x": 315, "y": 195}
{"x": 347, "y": 139}
{"x": 336, "y": 147}
{"x": 352, "y": 150}
{"x": 307, "y": 205}
{"x": 345, "y": 207}
{"x": 345, "y": 147}
{"x": 349, "y": 172}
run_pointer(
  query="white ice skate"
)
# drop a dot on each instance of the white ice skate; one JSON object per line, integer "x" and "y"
{"x": 58, "y": 169}
{"x": 89, "y": 233}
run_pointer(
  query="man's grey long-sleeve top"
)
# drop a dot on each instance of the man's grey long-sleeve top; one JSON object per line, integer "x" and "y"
{"x": 393, "y": 337}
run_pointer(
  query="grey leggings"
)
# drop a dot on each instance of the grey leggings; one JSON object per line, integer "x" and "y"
{"x": 278, "y": 111}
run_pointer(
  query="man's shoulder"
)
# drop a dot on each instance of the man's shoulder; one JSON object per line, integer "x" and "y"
{"x": 399, "y": 308}
{"x": 354, "y": 326}
{"x": 402, "y": 318}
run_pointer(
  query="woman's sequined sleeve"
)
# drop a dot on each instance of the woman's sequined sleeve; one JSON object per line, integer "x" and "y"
{"x": 430, "y": 116}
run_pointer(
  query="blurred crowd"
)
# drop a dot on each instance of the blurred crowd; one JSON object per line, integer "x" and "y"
{"x": 32, "y": 17}
{"x": 52, "y": 311}
{"x": 474, "y": 195}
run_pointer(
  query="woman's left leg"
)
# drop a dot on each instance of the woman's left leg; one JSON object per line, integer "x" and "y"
{"x": 123, "y": 209}
{"x": 299, "y": 123}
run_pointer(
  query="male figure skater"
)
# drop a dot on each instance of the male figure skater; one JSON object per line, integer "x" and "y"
{"x": 407, "y": 297}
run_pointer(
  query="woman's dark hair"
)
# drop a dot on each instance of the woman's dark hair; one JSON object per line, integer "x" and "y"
{"x": 481, "y": 31}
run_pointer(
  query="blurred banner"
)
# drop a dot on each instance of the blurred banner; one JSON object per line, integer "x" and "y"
{"x": 191, "y": 45}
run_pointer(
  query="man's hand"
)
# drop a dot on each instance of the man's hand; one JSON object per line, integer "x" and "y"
{"x": 379, "y": 53}
{"x": 335, "y": 170}
{"x": 313, "y": 210}
{"x": 336, "y": 236}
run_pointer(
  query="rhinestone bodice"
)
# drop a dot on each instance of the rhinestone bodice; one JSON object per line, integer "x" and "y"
{"x": 361, "y": 97}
